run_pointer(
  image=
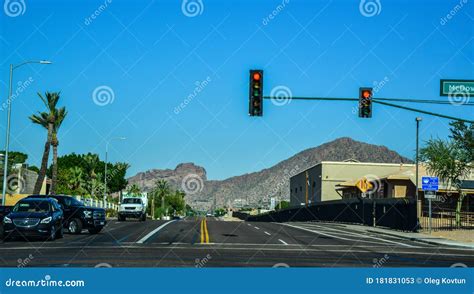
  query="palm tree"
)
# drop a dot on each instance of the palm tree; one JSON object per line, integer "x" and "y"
{"x": 161, "y": 191}
{"x": 91, "y": 161}
{"x": 45, "y": 119}
{"x": 76, "y": 180}
{"x": 60, "y": 115}
{"x": 134, "y": 190}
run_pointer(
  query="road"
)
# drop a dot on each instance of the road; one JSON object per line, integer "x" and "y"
{"x": 212, "y": 242}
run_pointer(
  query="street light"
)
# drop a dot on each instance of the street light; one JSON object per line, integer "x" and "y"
{"x": 106, "y": 154}
{"x": 418, "y": 120}
{"x": 7, "y": 139}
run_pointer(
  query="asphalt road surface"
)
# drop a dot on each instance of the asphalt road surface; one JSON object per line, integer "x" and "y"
{"x": 211, "y": 242}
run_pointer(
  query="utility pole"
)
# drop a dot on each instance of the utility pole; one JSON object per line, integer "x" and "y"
{"x": 418, "y": 120}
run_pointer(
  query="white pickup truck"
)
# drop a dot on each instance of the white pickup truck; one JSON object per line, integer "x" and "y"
{"x": 133, "y": 207}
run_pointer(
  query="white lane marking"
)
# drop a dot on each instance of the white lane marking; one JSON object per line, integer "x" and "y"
{"x": 336, "y": 231}
{"x": 142, "y": 240}
{"x": 284, "y": 243}
{"x": 249, "y": 225}
{"x": 258, "y": 247}
{"x": 268, "y": 233}
{"x": 341, "y": 238}
{"x": 257, "y": 228}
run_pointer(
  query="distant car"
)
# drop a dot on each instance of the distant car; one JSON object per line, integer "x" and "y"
{"x": 209, "y": 214}
{"x": 34, "y": 217}
{"x": 77, "y": 216}
{"x": 133, "y": 207}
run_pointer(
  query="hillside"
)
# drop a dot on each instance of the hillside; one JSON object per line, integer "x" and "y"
{"x": 271, "y": 181}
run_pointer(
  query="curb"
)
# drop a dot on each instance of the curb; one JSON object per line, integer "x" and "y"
{"x": 444, "y": 243}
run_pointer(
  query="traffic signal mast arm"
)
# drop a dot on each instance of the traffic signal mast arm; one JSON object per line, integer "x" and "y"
{"x": 382, "y": 101}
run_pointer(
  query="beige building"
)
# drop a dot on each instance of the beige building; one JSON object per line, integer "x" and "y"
{"x": 337, "y": 180}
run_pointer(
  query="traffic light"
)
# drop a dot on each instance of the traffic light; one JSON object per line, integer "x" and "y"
{"x": 256, "y": 93}
{"x": 365, "y": 102}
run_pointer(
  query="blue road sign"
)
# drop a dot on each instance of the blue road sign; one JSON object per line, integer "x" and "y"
{"x": 429, "y": 183}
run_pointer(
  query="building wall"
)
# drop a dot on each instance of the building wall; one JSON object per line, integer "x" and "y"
{"x": 327, "y": 175}
{"x": 298, "y": 187}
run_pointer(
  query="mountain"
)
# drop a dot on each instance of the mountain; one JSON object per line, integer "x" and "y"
{"x": 203, "y": 193}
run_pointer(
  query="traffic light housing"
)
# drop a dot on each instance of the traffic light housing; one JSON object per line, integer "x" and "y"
{"x": 256, "y": 93}
{"x": 365, "y": 102}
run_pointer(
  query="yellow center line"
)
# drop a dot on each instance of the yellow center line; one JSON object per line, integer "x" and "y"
{"x": 202, "y": 231}
{"x": 206, "y": 231}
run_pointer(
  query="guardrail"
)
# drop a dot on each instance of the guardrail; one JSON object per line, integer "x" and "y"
{"x": 399, "y": 214}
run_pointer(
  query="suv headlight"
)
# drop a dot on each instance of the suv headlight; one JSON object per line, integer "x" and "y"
{"x": 46, "y": 220}
{"x": 7, "y": 220}
{"x": 87, "y": 213}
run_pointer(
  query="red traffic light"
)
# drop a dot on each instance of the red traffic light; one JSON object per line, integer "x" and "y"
{"x": 256, "y": 76}
{"x": 366, "y": 94}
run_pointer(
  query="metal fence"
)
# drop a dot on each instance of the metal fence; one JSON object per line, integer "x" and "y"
{"x": 399, "y": 214}
{"x": 445, "y": 219}
{"x": 97, "y": 203}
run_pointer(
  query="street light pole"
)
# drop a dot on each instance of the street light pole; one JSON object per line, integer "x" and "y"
{"x": 418, "y": 120}
{"x": 106, "y": 162}
{"x": 7, "y": 135}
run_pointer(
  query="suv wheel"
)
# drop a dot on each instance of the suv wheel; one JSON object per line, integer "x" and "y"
{"x": 143, "y": 217}
{"x": 75, "y": 226}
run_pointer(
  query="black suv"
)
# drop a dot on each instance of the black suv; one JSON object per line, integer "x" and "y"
{"x": 34, "y": 217}
{"x": 77, "y": 216}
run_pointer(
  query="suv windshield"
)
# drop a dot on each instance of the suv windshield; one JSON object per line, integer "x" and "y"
{"x": 70, "y": 201}
{"x": 32, "y": 206}
{"x": 132, "y": 201}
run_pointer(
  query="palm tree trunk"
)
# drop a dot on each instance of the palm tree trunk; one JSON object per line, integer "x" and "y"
{"x": 44, "y": 161}
{"x": 54, "y": 176}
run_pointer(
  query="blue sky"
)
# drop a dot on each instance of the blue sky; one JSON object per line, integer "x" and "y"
{"x": 152, "y": 53}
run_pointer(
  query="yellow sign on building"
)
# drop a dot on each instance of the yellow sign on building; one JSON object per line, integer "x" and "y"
{"x": 364, "y": 185}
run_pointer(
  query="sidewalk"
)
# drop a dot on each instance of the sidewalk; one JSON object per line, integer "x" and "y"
{"x": 442, "y": 238}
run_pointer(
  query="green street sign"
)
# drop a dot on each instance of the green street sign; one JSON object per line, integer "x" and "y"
{"x": 463, "y": 88}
